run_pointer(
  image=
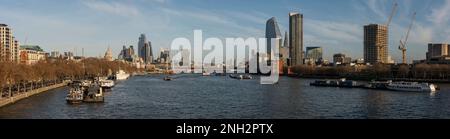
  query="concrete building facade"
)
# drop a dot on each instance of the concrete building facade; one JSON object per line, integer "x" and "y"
{"x": 376, "y": 49}
{"x": 9, "y": 47}
{"x": 295, "y": 39}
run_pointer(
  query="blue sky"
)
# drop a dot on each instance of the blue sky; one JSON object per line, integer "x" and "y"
{"x": 336, "y": 25}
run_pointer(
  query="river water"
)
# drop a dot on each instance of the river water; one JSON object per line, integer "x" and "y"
{"x": 217, "y": 97}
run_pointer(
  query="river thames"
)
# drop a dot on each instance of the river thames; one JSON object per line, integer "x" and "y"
{"x": 216, "y": 97}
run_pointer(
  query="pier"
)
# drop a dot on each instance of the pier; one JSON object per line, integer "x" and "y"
{"x": 18, "y": 97}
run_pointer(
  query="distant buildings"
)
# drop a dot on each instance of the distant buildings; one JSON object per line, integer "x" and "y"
{"x": 128, "y": 54}
{"x": 31, "y": 54}
{"x": 145, "y": 49}
{"x": 9, "y": 47}
{"x": 341, "y": 59}
{"x": 164, "y": 56}
{"x": 295, "y": 38}
{"x": 55, "y": 54}
{"x": 438, "y": 53}
{"x": 315, "y": 53}
{"x": 376, "y": 44}
{"x": 68, "y": 56}
{"x": 272, "y": 32}
{"x": 108, "y": 55}
{"x": 284, "y": 50}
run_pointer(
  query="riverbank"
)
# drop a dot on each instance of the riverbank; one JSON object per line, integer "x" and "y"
{"x": 11, "y": 100}
{"x": 370, "y": 79}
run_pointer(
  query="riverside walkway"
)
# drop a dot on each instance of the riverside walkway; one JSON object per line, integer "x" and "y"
{"x": 18, "y": 97}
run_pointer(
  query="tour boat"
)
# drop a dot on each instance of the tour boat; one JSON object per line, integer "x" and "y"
{"x": 411, "y": 87}
{"x": 106, "y": 83}
{"x": 75, "y": 95}
{"x": 122, "y": 75}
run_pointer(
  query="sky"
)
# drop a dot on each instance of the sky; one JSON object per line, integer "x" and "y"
{"x": 336, "y": 25}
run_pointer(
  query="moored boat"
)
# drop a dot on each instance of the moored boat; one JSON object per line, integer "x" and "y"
{"x": 335, "y": 83}
{"x": 122, "y": 75}
{"x": 411, "y": 87}
{"x": 94, "y": 95}
{"x": 75, "y": 95}
{"x": 106, "y": 84}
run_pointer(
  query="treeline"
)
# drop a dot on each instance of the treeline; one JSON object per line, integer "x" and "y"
{"x": 377, "y": 71}
{"x": 16, "y": 78}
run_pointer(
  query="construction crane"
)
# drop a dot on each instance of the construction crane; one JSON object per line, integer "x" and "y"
{"x": 402, "y": 45}
{"x": 394, "y": 9}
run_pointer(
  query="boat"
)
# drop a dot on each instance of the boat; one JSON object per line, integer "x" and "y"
{"x": 122, "y": 75}
{"x": 206, "y": 74}
{"x": 167, "y": 78}
{"x": 240, "y": 77}
{"x": 335, "y": 83}
{"x": 411, "y": 87}
{"x": 94, "y": 95}
{"x": 378, "y": 85}
{"x": 106, "y": 84}
{"x": 86, "y": 83}
{"x": 75, "y": 95}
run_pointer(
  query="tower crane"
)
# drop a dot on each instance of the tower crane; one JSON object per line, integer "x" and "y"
{"x": 402, "y": 46}
{"x": 394, "y": 9}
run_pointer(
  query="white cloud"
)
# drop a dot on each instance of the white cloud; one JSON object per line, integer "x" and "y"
{"x": 210, "y": 17}
{"x": 440, "y": 16}
{"x": 334, "y": 31}
{"x": 116, "y": 8}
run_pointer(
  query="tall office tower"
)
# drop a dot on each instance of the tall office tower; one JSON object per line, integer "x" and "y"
{"x": 145, "y": 50}
{"x": 286, "y": 40}
{"x": 296, "y": 38}
{"x": 9, "y": 47}
{"x": 149, "y": 53}
{"x": 147, "y": 58}
{"x": 272, "y": 32}
{"x": 376, "y": 44}
{"x": 141, "y": 46}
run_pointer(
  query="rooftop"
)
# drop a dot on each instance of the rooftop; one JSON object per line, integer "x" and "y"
{"x": 32, "y": 47}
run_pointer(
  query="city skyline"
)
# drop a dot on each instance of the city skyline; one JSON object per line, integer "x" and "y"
{"x": 96, "y": 24}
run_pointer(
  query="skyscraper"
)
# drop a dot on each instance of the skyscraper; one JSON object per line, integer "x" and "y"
{"x": 272, "y": 32}
{"x": 295, "y": 38}
{"x": 376, "y": 44}
{"x": 141, "y": 45}
{"x": 144, "y": 49}
{"x": 286, "y": 40}
{"x": 150, "y": 52}
{"x": 284, "y": 50}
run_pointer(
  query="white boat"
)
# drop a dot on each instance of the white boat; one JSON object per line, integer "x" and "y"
{"x": 411, "y": 87}
{"x": 122, "y": 75}
{"x": 206, "y": 74}
{"x": 75, "y": 95}
{"x": 106, "y": 83}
